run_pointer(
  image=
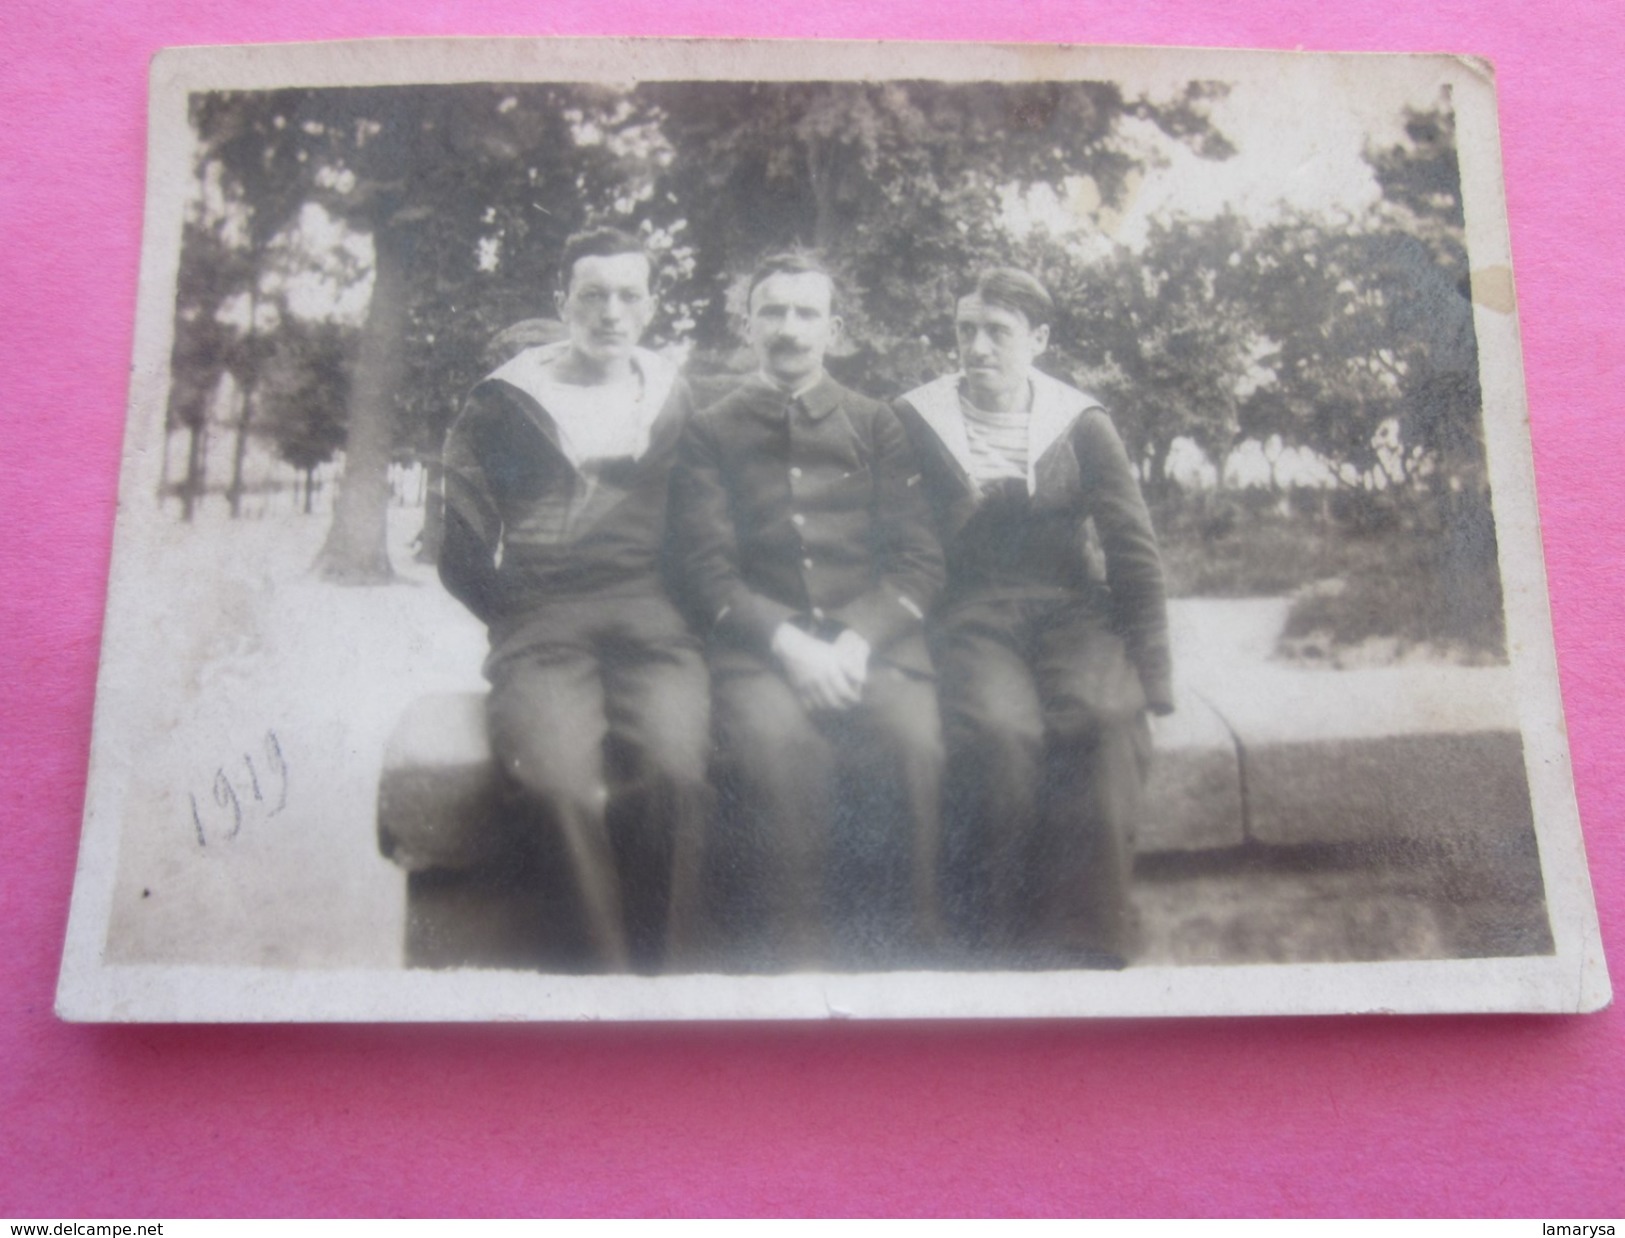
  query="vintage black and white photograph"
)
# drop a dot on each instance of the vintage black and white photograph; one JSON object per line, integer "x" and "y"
{"x": 647, "y": 530}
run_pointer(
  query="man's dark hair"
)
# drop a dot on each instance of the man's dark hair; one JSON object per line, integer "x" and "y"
{"x": 792, "y": 262}
{"x": 600, "y": 243}
{"x": 1011, "y": 288}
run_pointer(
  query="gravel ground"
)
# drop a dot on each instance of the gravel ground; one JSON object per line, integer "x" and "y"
{"x": 1263, "y": 906}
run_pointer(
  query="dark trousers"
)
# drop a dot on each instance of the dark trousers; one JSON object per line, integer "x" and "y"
{"x": 1048, "y": 747}
{"x": 829, "y": 846}
{"x": 596, "y": 697}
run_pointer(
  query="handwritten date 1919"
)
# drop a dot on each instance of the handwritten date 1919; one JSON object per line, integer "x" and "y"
{"x": 242, "y": 793}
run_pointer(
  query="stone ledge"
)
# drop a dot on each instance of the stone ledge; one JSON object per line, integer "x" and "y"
{"x": 1426, "y": 753}
{"x": 1458, "y": 791}
{"x": 438, "y": 796}
{"x": 1270, "y": 703}
{"x": 1279, "y": 756}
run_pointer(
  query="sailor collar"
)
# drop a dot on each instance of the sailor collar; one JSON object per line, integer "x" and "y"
{"x": 1055, "y": 408}
{"x": 526, "y": 374}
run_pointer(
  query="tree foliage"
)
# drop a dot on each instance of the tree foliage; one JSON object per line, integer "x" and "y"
{"x": 304, "y": 394}
{"x": 205, "y": 348}
{"x": 1351, "y": 338}
{"x": 1372, "y": 356}
{"x": 427, "y": 173}
{"x": 1162, "y": 335}
{"x": 902, "y": 186}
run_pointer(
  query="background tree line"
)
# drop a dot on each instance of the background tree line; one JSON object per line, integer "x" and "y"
{"x": 1342, "y": 341}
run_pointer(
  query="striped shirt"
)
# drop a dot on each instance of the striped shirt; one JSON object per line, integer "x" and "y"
{"x": 998, "y": 442}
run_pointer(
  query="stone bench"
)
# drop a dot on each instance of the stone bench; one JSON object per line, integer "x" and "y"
{"x": 438, "y": 796}
{"x": 1275, "y": 757}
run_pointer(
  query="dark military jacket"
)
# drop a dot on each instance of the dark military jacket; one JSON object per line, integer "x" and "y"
{"x": 1081, "y": 498}
{"x": 805, "y": 510}
{"x": 525, "y": 525}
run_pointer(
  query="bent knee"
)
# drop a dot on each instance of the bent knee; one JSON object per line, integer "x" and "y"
{"x": 769, "y": 723}
{"x": 914, "y": 738}
{"x": 1078, "y": 724}
{"x": 988, "y": 729}
{"x": 556, "y": 786}
{"x": 681, "y": 757}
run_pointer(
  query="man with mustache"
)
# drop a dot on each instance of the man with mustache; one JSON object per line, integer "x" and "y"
{"x": 806, "y": 551}
{"x": 557, "y": 476}
{"x": 1047, "y": 666}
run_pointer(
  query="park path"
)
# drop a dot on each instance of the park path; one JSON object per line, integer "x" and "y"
{"x": 1250, "y": 903}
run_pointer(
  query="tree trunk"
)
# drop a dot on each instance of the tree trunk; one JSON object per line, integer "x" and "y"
{"x": 356, "y": 551}
{"x": 192, "y": 484}
{"x": 822, "y": 178}
{"x": 1156, "y": 482}
{"x": 234, "y": 492}
{"x": 163, "y": 464}
{"x": 434, "y": 514}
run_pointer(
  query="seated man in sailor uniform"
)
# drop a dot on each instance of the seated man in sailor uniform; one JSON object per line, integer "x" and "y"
{"x": 556, "y": 492}
{"x": 1045, "y": 670}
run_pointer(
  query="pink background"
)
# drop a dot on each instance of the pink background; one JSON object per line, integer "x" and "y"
{"x": 1521, "y": 1116}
